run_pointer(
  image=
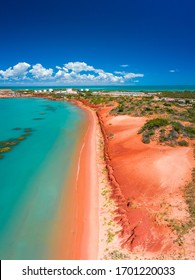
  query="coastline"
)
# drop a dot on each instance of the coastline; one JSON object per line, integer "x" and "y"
{"x": 80, "y": 241}
{"x": 123, "y": 194}
{"x": 86, "y": 243}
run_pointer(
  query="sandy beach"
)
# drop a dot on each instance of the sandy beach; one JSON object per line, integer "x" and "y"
{"x": 86, "y": 243}
{"x": 76, "y": 234}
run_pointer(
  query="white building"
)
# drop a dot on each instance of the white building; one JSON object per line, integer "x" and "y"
{"x": 71, "y": 91}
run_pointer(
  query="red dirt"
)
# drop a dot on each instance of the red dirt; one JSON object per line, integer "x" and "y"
{"x": 146, "y": 183}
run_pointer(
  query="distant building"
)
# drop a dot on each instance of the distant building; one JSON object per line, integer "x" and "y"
{"x": 169, "y": 99}
{"x": 153, "y": 93}
{"x": 71, "y": 91}
{"x": 120, "y": 93}
{"x": 181, "y": 101}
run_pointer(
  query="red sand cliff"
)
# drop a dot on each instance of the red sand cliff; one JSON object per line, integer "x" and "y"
{"x": 146, "y": 183}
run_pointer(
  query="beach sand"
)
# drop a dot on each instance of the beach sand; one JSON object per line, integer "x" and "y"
{"x": 76, "y": 228}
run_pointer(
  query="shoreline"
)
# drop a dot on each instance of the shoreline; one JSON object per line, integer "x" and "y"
{"x": 124, "y": 194}
{"x": 81, "y": 240}
{"x": 87, "y": 193}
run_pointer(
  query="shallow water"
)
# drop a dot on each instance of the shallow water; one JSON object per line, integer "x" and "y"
{"x": 34, "y": 172}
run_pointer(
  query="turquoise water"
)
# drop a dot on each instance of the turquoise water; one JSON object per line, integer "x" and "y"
{"x": 33, "y": 173}
{"x": 119, "y": 87}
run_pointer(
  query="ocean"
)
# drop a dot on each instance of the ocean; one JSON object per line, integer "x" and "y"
{"x": 119, "y": 87}
{"x": 34, "y": 174}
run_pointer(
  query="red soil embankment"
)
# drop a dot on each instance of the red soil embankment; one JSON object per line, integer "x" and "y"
{"x": 146, "y": 183}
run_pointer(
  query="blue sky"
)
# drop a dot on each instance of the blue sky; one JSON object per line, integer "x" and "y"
{"x": 140, "y": 42}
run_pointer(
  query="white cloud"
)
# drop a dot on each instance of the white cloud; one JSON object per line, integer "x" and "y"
{"x": 120, "y": 72}
{"x": 78, "y": 66}
{"x": 172, "y": 71}
{"x": 19, "y": 71}
{"x": 124, "y": 65}
{"x": 40, "y": 72}
{"x": 75, "y": 70}
{"x": 129, "y": 76}
{"x": 59, "y": 74}
{"x": 69, "y": 73}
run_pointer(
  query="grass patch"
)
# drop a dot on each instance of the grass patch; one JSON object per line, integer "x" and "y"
{"x": 117, "y": 255}
{"x": 110, "y": 236}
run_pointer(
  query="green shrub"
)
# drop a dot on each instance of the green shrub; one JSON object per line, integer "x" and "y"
{"x": 153, "y": 124}
{"x": 120, "y": 108}
{"x": 183, "y": 143}
{"x": 190, "y": 131}
{"x": 145, "y": 138}
{"x": 173, "y": 135}
{"x": 177, "y": 126}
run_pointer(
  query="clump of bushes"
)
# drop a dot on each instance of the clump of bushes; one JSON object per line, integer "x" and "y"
{"x": 145, "y": 138}
{"x": 190, "y": 131}
{"x": 183, "y": 143}
{"x": 168, "y": 135}
{"x": 178, "y": 126}
{"x": 149, "y": 128}
{"x": 153, "y": 124}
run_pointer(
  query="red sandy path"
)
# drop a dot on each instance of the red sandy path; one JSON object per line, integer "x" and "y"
{"x": 76, "y": 233}
{"x": 145, "y": 179}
